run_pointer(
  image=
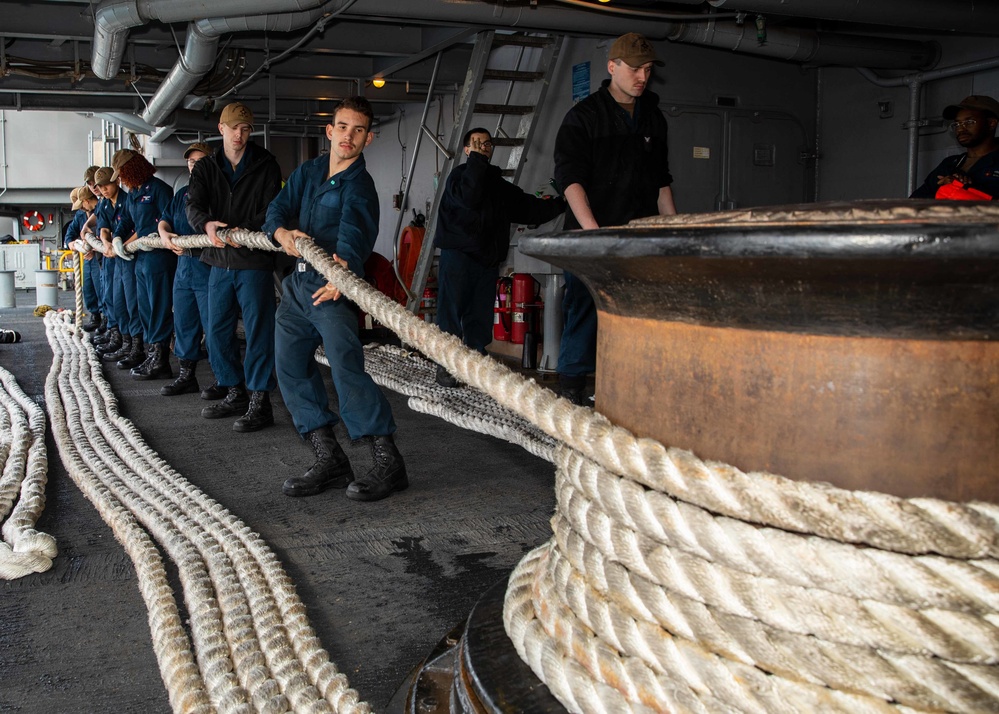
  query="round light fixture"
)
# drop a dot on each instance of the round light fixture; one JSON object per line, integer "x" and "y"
{"x": 378, "y": 82}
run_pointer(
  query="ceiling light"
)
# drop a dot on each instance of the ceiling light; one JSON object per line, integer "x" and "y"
{"x": 378, "y": 82}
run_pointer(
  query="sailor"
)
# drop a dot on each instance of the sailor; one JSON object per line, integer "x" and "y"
{"x": 148, "y": 199}
{"x": 231, "y": 189}
{"x": 332, "y": 201}
{"x": 190, "y": 286}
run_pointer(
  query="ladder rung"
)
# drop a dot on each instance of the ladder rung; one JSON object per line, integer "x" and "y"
{"x": 513, "y": 75}
{"x": 507, "y": 141}
{"x": 503, "y": 108}
{"x": 523, "y": 40}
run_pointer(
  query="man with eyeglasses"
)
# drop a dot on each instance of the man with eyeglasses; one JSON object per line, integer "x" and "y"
{"x": 976, "y": 171}
{"x": 473, "y": 233}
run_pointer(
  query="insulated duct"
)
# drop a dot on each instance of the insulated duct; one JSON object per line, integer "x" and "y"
{"x": 973, "y": 16}
{"x": 114, "y": 18}
{"x": 809, "y": 47}
{"x": 199, "y": 54}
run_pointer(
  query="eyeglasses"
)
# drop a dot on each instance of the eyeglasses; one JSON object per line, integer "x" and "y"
{"x": 955, "y": 125}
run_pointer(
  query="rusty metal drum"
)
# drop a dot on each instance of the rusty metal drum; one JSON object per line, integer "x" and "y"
{"x": 851, "y": 343}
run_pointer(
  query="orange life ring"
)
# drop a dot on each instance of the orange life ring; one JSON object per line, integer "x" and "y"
{"x": 33, "y": 221}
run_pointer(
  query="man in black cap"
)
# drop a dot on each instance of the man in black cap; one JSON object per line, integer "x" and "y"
{"x": 612, "y": 166}
{"x": 973, "y": 122}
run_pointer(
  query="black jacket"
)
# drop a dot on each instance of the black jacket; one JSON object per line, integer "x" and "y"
{"x": 621, "y": 166}
{"x": 478, "y": 207}
{"x": 209, "y": 198}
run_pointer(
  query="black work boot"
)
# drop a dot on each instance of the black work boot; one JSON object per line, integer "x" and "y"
{"x": 258, "y": 413}
{"x": 185, "y": 383}
{"x": 331, "y": 470}
{"x": 235, "y": 403}
{"x": 157, "y": 365}
{"x": 111, "y": 345}
{"x": 213, "y": 392}
{"x": 136, "y": 355}
{"x": 445, "y": 378}
{"x": 573, "y": 388}
{"x": 386, "y": 476}
{"x": 102, "y": 334}
{"x": 93, "y": 323}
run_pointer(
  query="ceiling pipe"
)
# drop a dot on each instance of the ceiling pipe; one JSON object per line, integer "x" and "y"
{"x": 114, "y": 18}
{"x": 200, "y": 48}
{"x": 810, "y": 47}
{"x": 973, "y": 16}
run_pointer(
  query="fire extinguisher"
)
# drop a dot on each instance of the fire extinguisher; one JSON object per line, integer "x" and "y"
{"x": 525, "y": 290}
{"x": 501, "y": 310}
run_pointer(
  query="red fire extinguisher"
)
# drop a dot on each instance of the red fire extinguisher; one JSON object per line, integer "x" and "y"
{"x": 501, "y": 310}
{"x": 525, "y": 290}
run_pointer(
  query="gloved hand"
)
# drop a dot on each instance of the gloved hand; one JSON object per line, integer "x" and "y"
{"x": 119, "y": 249}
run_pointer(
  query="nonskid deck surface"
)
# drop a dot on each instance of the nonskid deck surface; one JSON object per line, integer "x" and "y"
{"x": 383, "y": 582}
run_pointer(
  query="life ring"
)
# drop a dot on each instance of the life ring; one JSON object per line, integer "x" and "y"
{"x": 33, "y": 221}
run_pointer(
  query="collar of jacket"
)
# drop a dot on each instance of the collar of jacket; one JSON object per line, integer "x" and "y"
{"x": 648, "y": 98}
{"x": 319, "y": 168}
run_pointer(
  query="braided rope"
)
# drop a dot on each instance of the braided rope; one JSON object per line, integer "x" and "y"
{"x": 78, "y": 286}
{"x": 254, "y": 648}
{"x": 411, "y": 374}
{"x": 23, "y": 550}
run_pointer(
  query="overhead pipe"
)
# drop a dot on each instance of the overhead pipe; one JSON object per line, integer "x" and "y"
{"x": 810, "y": 47}
{"x": 200, "y": 49}
{"x": 114, "y": 18}
{"x": 949, "y": 16}
{"x": 915, "y": 82}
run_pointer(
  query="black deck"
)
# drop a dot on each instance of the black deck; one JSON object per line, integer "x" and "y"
{"x": 383, "y": 582}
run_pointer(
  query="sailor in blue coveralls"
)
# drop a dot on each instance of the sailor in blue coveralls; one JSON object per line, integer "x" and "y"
{"x": 84, "y": 203}
{"x": 333, "y": 202}
{"x": 148, "y": 199}
{"x": 121, "y": 341}
{"x": 190, "y": 286}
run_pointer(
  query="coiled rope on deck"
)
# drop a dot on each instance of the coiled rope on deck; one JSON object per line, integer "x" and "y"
{"x": 253, "y": 648}
{"x": 24, "y": 461}
{"x": 673, "y": 583}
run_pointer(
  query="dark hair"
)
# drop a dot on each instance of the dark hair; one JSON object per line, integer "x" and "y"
{"x": 356, "y": 104}
{"x": 468, "y": 135}
{"x": 136, "y": 171}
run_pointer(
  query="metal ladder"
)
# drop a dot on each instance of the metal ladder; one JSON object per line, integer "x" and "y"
{"x": 527, "y": 86}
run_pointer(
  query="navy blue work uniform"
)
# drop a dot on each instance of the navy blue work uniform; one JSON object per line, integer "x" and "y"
{"x": 622, "y": 162}
{"x": 121, "y": 272}
{"x": 341, "y": 214}
{"x": 984, "y": 175}
{"x": 241, "y": 279}
{"x": 154, "y": 269}
{"x": 92, "y": 287}
{"x": 190, "y": 286}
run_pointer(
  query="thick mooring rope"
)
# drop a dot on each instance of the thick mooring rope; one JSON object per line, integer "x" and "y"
{"x": 253, "y": 648}
{"x": 24, "y": 462}
{"x": 675, "y": 584}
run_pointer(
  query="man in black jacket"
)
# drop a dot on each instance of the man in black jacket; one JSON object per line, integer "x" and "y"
{"x": 473, "y": 233}
{"x": 612, "y": 166}
{"x": 231, "y": 189}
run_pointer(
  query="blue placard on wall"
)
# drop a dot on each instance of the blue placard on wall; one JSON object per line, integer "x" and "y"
{"x": 580, "y": 81}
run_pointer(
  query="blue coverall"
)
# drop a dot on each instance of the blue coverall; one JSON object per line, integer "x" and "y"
{"x": 154, "y": 269}
{"x": 190, "y": 287}
{"x": 341, "y": 214}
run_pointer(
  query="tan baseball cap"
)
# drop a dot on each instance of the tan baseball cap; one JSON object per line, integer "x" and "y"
{"x": 84, "y": 194}
{"x": 104, "y": 175}
{"x": 634, "y": 50}
{"x": 74, "y": 198}
{"x": 235, "y": 114}
{"x": 975, "y": 101}
{"x": 120, "y": 158}
{"x": 199, "y": 146}
{"x": 88, "y": 175}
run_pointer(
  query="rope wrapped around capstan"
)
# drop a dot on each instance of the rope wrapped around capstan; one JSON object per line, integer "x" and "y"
{"x": 676, "y": 584}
